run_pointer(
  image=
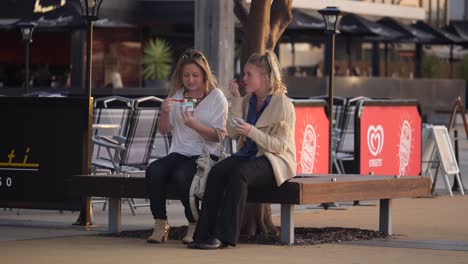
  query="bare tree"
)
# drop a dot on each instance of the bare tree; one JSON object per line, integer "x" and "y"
{"x": 262, "y": 27}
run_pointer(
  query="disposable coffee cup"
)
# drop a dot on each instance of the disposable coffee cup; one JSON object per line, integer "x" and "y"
{"x": 187, "y": 106}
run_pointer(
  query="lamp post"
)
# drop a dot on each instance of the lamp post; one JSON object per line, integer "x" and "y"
{"x": 90, "y": 11}
{"x": 330, "y": 16}
{"x": 27, "y": 29}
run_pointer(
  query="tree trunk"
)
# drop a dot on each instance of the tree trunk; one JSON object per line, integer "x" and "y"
{"x": 262, "y": 27}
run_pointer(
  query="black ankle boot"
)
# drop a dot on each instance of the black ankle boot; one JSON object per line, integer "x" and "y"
{"x": 212, "y": 243}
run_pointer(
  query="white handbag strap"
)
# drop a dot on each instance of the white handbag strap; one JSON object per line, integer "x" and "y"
{"x": 221, "y": 143}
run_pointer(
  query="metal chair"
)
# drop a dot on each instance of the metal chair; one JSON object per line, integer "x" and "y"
{"x": 339, "y": 107}
{"x": 345, "y": 144}
{"x": 132, "y": 153}
{"x": 112, "y": 110}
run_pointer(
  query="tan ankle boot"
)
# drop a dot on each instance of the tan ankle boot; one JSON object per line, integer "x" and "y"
{"x": 160, "y": 231}
{"x": 189, "y": 235}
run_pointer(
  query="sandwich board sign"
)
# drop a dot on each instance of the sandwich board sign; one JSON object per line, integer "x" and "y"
{"x": 438, "y": 147}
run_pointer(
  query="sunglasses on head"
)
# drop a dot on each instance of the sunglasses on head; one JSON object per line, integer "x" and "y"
{"x": 187, "y": 55}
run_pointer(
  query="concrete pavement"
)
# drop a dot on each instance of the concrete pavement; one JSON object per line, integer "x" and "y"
{"x": 440, "y": 220}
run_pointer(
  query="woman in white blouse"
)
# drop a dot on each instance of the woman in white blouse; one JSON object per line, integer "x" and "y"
{"x": 193, "y": 111}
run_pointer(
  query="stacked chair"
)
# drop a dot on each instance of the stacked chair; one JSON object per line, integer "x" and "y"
{"x": 127, "y": 149}
{"x": 344, "y": 132}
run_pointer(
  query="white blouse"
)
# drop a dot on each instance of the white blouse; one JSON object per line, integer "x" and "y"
{"x": 211, "y": 111}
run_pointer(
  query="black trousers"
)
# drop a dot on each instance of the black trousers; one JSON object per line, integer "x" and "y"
{"x": 226, "y": 194}
{"x": 174, "y": 168}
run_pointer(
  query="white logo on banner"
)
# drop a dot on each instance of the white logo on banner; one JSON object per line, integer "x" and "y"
{"x": 405, "y": 146}
{"x": 375, "y": 139}
{"x": 309, "y": 145}
{"x": 375, "y": 142}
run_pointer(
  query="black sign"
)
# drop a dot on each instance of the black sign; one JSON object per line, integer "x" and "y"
{"x": 42, "y": 142}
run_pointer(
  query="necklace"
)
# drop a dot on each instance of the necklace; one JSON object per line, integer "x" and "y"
{"x": 194, "y": 100}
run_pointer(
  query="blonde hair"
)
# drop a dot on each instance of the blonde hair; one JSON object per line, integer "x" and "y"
{"x": 192, "y": 56}
{"x": 270, "y": 65}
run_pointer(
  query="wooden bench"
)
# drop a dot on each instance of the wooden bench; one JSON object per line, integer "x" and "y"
{"x": 300, "y": 190}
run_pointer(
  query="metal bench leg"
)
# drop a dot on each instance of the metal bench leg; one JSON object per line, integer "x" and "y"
{"x": 115, "y": 220}
{"x": 385, "y": 217}
{"x": 287, "y": 223}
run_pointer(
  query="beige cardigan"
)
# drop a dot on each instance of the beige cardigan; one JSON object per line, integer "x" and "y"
{"x": 273, "y": 133}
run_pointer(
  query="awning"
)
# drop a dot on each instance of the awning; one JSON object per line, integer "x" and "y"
{"x": 460, "y": 29}
{"x": 8, "y": 23}
{"x": 411, "y": 34}
{"x": 68, "y": 16}
{"x": 65, "y": 18}
{"x": 109, "y": 23}
{"x": 306, "y": 26}
{"x": 165, "y": 12}
{"x": 305, "y": 19}
{"x": 354, "y": 25}
{"x": 440, "y": 36}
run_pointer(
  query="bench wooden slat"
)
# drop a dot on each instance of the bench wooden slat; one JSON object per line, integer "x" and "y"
{"x": 340, "y": 191}
{"x": 306, "y": 190}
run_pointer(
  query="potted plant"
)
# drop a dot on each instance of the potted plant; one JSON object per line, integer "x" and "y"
{"x": 431, "y": 67}
{"x": 157, "y": 60}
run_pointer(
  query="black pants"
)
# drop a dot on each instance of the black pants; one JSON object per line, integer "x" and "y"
{"x": 226, "y": 194}
{"x": 177, "y": 169}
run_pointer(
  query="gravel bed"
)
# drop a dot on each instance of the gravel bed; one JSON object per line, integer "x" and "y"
{"x": 302, "y": 235}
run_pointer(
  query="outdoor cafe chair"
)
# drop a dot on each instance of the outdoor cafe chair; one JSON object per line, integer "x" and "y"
{"x": 132, "y": 153}
{"x": 111, "y": 118}
{"x": 112, "y": 110}
{"x": 339, "y": 108}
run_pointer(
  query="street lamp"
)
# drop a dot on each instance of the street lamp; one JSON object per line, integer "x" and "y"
{"x": 27, "y": 29}
{"x": 330, "y": 16}
{"x": 90, "y": 11}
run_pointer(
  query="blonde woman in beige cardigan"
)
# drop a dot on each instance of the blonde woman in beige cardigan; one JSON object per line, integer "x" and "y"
{"x": 263, "y": 123}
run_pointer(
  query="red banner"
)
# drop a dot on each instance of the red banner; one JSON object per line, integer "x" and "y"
{"x": 311, "y": 139}
{"x": 390, "y": 140}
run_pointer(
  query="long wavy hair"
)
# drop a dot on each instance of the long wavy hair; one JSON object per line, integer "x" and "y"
{"x": 269, "y": 64}
{"x": 188, "y": 57}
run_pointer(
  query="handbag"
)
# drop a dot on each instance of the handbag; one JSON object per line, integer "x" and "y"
{"x": 204, "y": 164}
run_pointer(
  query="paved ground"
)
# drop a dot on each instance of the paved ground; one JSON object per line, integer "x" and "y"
{"x": 429, "y": 230}
{"x": 439, "y": 222}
